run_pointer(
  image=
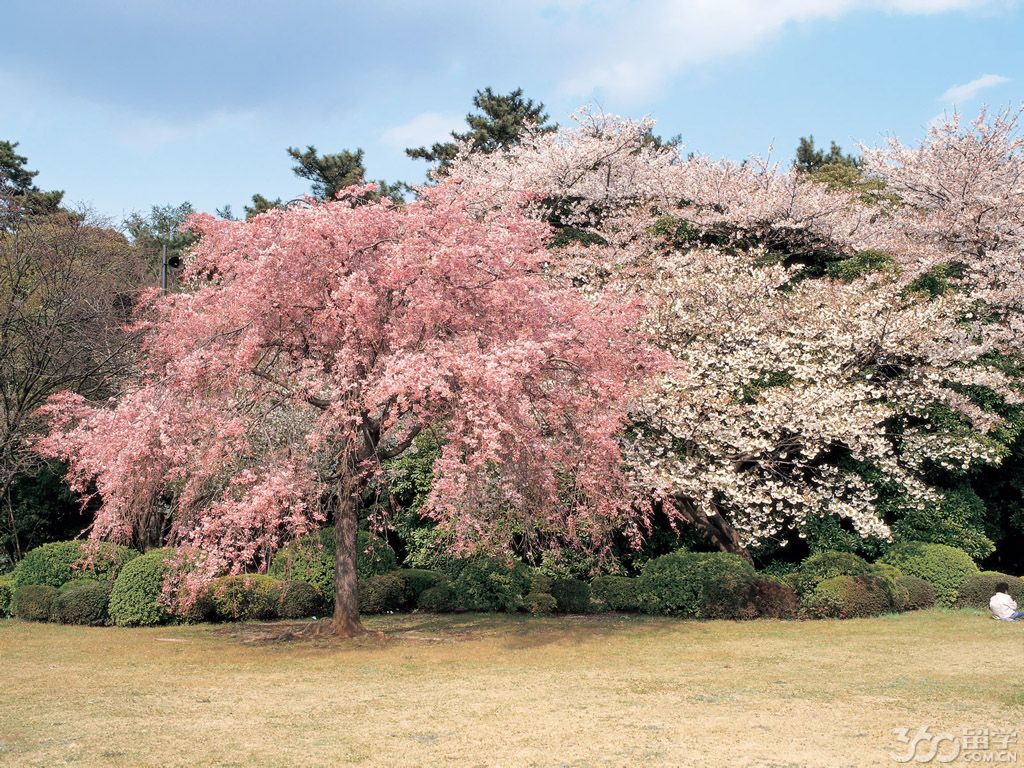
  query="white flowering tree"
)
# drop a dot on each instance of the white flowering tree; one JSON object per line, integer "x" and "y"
{"x": 830, "y": 340}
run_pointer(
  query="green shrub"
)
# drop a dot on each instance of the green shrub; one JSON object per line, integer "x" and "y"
{"x": 920, "y": 594}
{"x": 437, "y": 599}
{"x": 571, "y": 595}
{"x": 847, "y": 597}
{"x": 84, "y": 604}
{"x": 791, "y": 580}
{"x": 540, "y": 602}
{"x": 772, "y": 598}
{"x": 420, "y": 580}
{"x": 298, "y": 600}
{"x": 615, "y": 593}
{"x": 826, "y": 565}
{"x": 81, "y": 581}
{"x": 944, "y": 567}
{"x": 34, "y": 602}
{"x": 55, "y": 563}
{"x": 979, "y": 587}
{"x": 485, "y": 585}
{"x": 5, "y": 595}
{"x": 135, "y": 598}
{"x": 958, "y": 520}
{"x": 310, "y": 558}
{"x": 540, "y": 582}
{"x": 245, "y": 597}
{"x": 384, "y": 593}
{"x": 695, "y": 584}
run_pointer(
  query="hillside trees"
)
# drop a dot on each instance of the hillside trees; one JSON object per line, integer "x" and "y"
{"x": 67, "y": 286}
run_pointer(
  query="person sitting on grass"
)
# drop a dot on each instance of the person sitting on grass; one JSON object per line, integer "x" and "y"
{"x": 1003, "y": 606}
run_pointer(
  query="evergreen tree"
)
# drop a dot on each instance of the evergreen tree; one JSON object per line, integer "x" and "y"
{"x": 16, "y": 183}
{"x": 810, "y": 159}
{"x": 261, "y": 204}
{"x": 498, "y": 125}
{"x": 327, "y": 174}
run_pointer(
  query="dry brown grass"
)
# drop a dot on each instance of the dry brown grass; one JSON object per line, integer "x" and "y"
{"x": 496, "y": 691}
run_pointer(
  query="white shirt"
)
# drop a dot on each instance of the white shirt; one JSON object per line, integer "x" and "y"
{"x": 1002, "y": 605}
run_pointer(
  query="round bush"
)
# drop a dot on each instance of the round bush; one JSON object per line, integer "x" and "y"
{"x": 419, "y": 580}
{"x": 135, "y": 598}
{"x": 825, "y": 565}
{"x": 571, "y": 595}
{"x": 615, "y": 593}
{"x": 847, "y": 597}
{"x": 437, "y": 599}
{"x": 84, "y": 604}
{"x": 772, "y": 598}
{"x": 944, "y": 567}
{"x": 55, "y": 563}
{"x": 245, "y": 597}
{"x": 34, "y": 602}
{"x": 5, "y": 595}
{"x": 487, "y": 585}
{"x": 694, "y": 584}
{"x": 920, "y": 594}
{"x": 978, "y": 588}
{"x": 310, "y": 558}
{"x": 384, "y": 593}
{"x": 540, "y": 602}
{"x": 298, "y": 600}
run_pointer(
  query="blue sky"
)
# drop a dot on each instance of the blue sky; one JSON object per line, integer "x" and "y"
{"x": 129, "y": 104}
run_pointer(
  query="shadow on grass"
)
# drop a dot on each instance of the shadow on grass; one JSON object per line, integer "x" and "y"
{"x": 514, "y": 631}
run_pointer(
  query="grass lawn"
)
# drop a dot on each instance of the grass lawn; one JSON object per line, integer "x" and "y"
{"x": 506, "y": 690}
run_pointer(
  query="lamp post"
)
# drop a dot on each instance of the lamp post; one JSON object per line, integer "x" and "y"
{"x": 173, "y": 262}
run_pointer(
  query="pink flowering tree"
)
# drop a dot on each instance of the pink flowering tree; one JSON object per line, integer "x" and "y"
{"x": 316, "y": 342}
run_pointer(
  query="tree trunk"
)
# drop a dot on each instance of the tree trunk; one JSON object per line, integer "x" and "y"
{"x": 346, "y": 584}
{"x": 715, "y": 529}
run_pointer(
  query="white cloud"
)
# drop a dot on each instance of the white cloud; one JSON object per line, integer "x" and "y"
{"x": 633, "y": 50}
{"x": 422, "y": 130}
{"x": 959, "y": 94}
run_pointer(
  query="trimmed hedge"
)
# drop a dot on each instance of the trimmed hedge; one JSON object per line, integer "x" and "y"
{"x": 847, "y": 597}
{"x": 5, "y": 595}
{"x": 34, "y": 602}
{"x": 84, "y": 604}
{"x": 826, "y": 565}
{"x": 419, "y": 580}
{"x": 540, "y": 603}
{"x": 487, "y": 585}
{"x": 571, "y": 595}
{"x": 944, "y": 567}
{"x": 920, "y": 594}
{"x": 696, "y": 585}
{"x": 245, "y": 597}
{"x": 437, "y": 599}
{"x": 615, "y": 593}
{"x": 979, "y": 587}
{"x": 298, "y": 600}
{"x": 384, "y": 593}
{"x": 54, "y": 563}
{"x": 773, "y": 598}
{"x": 310, "y": 558}
{"x": 135, "y": 598}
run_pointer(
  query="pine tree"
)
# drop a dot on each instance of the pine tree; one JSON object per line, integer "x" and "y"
{"x": 16, "y": 183}
{"x": 498, "y": 125}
